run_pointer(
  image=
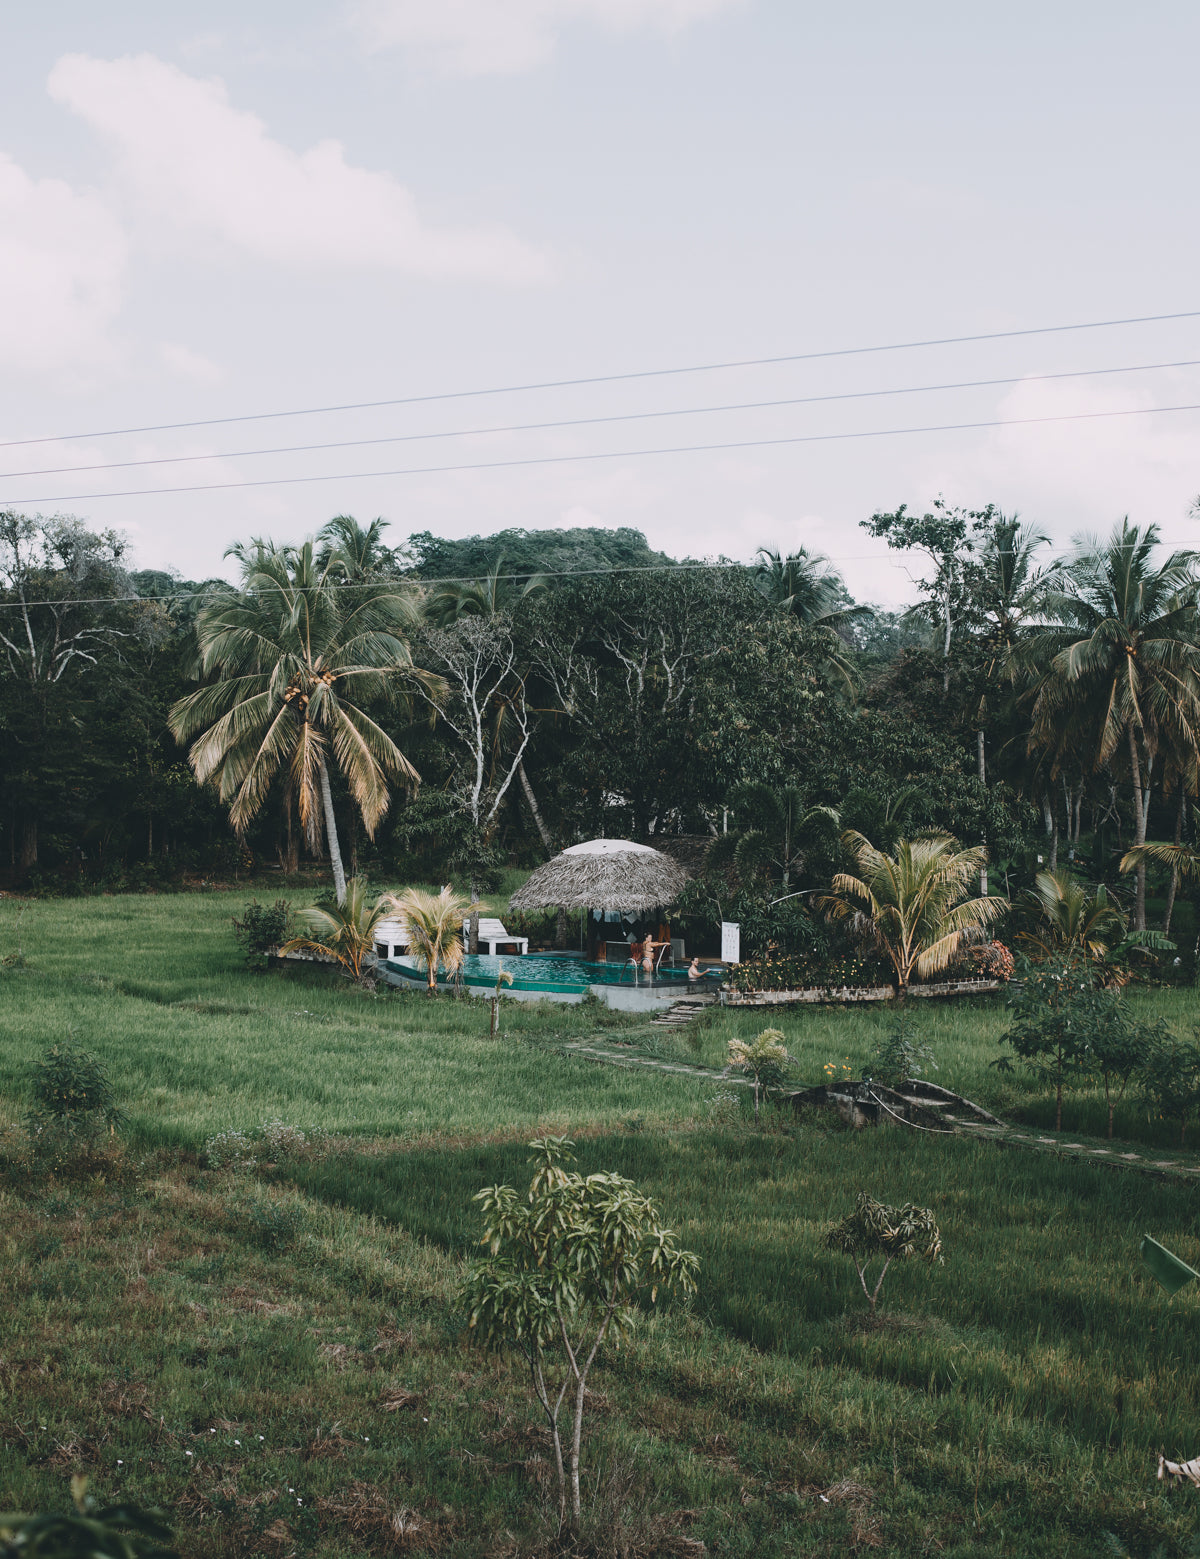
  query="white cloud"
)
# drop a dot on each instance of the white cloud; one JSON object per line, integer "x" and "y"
{"x": 62, "y": 262}
{"x": 193, "y": 159}
{"x": 186, "y": 364}
{"x": 1084, "y": 475}
{"x": 499, "y": 37}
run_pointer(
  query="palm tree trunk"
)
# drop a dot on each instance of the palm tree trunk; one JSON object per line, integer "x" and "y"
{"x": 539, "y": 820}
{"x": 1174, "y": 888}
{"x": 335, "y": 854}
{"x": 1139, "y": 825}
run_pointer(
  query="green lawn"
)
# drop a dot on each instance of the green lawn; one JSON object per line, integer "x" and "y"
{"x": 1010, "y": 1402}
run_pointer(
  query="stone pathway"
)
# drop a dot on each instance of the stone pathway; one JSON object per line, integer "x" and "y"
{"x": 1005, "y": 1135}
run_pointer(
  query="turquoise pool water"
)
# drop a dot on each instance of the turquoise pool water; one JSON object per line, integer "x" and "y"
{"x": 545, "y": 972}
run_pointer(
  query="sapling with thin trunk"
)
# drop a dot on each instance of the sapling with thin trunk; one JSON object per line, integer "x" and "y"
{"x": 895, "y": 1233}
{"x": 566, "y": 1266}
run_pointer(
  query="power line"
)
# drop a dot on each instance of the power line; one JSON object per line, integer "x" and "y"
{"x": 609, "y": 454}
{"x": 587, "y": 422}
{"x": 648, "y": 373}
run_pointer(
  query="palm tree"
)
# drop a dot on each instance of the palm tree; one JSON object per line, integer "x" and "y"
{"x": 805, "y": 586}
{"x": 1072, "y": 920}
{"x": 913, "y": 901}
{"x": 434, "y": 923}
{"x": 773, "y": 832}
{"x": 495, "y": 593}
{"x": 356, "y": 550}
{"x": 1122, "y": 668}
{"x": 294, "y": 658}
{"x": 347, "y": 932}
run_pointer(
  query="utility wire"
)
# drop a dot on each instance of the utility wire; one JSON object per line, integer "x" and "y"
{"x": 649, "y": 373}
{"x": 588, "y": 422}
{"x": 609, "y": 454}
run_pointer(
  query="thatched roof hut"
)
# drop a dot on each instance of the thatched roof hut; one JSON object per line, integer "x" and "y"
{"x": 604, "y": 874}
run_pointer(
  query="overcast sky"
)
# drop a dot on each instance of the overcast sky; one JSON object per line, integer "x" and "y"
{"x": 224, "y": 210}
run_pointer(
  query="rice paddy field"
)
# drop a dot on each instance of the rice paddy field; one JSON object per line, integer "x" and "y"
{"x": 276, "y": 1354}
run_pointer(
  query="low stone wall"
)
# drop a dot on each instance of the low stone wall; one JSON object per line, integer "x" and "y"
{"x": 854, "y": 993}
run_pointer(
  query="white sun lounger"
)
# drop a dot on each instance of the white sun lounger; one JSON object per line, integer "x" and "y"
{"x": 492, "y": 935}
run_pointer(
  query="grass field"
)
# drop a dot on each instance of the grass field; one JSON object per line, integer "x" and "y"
{"x": 1009, "y": 1402}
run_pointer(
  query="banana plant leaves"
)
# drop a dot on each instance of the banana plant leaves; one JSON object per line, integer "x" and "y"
{"x": 1172, "y": 1273}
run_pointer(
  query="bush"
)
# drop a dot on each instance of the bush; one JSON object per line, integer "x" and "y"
{"x": 1170, "y": 1077}
{"x": 275, "y": 1225}
{"x": 263, "y": 927}
{"x": 72, "y": 1097}
{"x": 899, "y": 1056}
{"x": 893, "y": 1233}
{"x": 230, "y": 1150}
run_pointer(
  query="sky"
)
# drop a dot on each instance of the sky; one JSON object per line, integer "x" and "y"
{"x": 234, "y": 211}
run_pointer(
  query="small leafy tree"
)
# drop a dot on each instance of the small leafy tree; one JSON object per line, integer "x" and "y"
{"x": 1171, "y": 1078}
{"x": 1056, "y": 1012}
{"x": 900, "y": 1056}
{"x": 345, "y": 931}
{"x": 764, "y": 1059}
{"x": 72, "y": 1095}
{"x": 263, "y": 927}
{"x": 1120, "y": 1047}
{"x": 565, "y": 1268}
{"x": 895, "y": 1233}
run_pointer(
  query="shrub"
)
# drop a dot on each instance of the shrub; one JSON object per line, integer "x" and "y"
{"x": 567, "y": 1264}
{"x": 72, "y": 1096}
{"x": 895, "y": 1233}
{"x": 1056, "y": 1009}
{"x": 899, "y": 1056}
{"x": 230, "y": 1150}
{"x": 1170, "y": 1078}
{"x": 991, "y": 961}
{"x": 263, "y": 927}
{"x": 275, "y": 1225}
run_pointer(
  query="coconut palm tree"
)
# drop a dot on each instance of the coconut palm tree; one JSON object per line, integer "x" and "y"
{"x": 347, "y": 932}
{"x": 1119, "y": 676}
{"x": 357, "y": 550}
{"x": 495, "y": 593}
{"x": 294, "y": 658}
{"x": 913, "y": 901}
{"x": 434, "y": 922}
{"x": 805, "y": 586}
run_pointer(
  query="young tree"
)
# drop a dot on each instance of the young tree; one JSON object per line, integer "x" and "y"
{"x": 1056, "y": 1010}
{"x": 565, "y": 1269}
{"x": 1171, "y": 1078}
{"x": 894, "y": 1233}
{"x": 346, "y": 932}
{"x": 434, "y": 922}
{"x": 763, "y": 1059}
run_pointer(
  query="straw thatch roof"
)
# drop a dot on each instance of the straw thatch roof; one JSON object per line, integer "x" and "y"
{"x": 611, "y": 874}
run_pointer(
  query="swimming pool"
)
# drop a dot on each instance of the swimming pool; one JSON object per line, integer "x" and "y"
{"x": 548, "y": 972}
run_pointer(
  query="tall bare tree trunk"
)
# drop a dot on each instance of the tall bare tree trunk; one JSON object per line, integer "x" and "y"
{"x": 1141, "y": 807}
{"x": 983, "y": 871}
{"x": 335, "y": 853}
{"x": 1174, "y": 888}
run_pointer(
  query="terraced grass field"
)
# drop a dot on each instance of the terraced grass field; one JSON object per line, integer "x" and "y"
{"x": 277, "y": 1355}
